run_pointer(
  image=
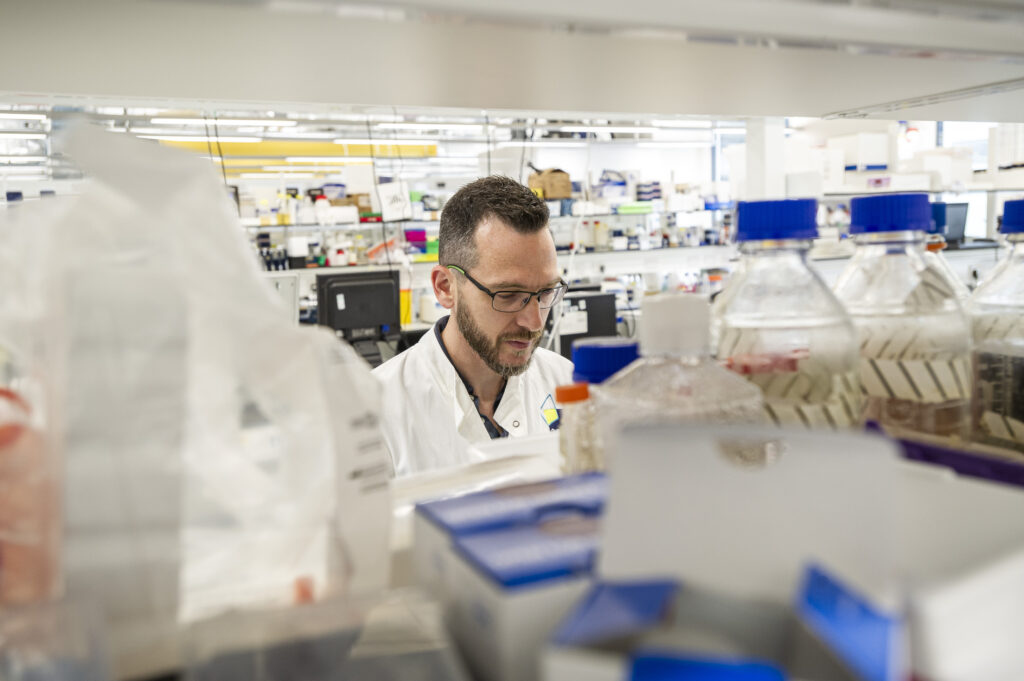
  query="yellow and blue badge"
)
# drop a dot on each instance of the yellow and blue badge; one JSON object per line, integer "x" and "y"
{"x": 552, "y": 416}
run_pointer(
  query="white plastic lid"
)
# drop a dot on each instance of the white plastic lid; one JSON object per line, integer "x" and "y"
{"x": 675, "y": 324}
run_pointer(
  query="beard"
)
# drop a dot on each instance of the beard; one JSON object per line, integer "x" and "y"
{"x": 489, "y": 350}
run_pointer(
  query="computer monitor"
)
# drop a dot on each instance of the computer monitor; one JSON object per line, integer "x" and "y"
{"x": 362, "y": 307}
{"x": 950, "y": 220}
{"x": 586, "y": 314}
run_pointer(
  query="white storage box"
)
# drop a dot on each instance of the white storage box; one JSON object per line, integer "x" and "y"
{"x": 438, "y": 524}
{"x": 513, "y": 587}
{"x": 662, "y": 629}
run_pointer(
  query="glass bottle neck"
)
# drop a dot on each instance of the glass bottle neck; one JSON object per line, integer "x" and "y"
{"x": 910, "y": 239}
{"x": 776, "y": 248}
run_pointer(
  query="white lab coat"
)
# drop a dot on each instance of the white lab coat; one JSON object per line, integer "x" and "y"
{"x": 429, "y": 419}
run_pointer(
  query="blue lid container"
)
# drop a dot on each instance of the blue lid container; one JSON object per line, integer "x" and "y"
{"x": 890, "y": 213}
{"x": 773, "y": 220}
{"x": 596, "y": 359}
{"x": 1013, "y": 217}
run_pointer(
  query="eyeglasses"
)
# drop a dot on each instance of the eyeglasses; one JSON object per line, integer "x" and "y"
{"x": 514, "y": 301}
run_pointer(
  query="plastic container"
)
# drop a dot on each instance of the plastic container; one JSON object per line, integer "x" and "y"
{"x": 575, "y": 441}
{"x": 29, "y": 510}
{"x": 596, "y": 359}
{"x": 914, "y": 335}
{"x": 779, "y": 325}
{"x": 675, "y": 379}
{"x": 935, "y": 243}
{"x": 997, "y": 321}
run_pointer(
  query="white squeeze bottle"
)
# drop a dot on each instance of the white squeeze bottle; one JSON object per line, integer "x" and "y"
{"x": 675, "y": 379}
{"x": 915, "y": 343}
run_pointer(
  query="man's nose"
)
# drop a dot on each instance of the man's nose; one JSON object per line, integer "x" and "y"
{"x": 531, "y": 317}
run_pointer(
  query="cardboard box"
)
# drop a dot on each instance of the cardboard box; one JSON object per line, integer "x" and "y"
{"x": 554, "y": 184}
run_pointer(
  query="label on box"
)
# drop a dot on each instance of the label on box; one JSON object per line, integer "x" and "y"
{"x": 574, "y": 322}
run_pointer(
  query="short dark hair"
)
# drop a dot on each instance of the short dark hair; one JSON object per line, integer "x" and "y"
{"x": 495, "y": 196}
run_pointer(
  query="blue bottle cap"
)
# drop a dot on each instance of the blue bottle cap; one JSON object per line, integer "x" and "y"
{"x": 1013, "y": 217}
{"x": 785, "y": 219}
{"x": 596, "y": 359}
{"x": 890, "y": 213}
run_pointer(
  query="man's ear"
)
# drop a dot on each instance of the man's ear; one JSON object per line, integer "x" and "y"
{"x": 443, "y": 281}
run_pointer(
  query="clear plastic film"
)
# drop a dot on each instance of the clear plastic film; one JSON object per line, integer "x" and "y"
{"x": 217, "y": 456}
{"x": 29, "y": 470}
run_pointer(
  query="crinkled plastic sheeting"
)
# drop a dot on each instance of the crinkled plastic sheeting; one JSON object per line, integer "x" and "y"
{"x": 216, "y": 455}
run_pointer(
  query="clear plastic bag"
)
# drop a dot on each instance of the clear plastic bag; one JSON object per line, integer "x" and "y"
{"x": 217, "y": 456}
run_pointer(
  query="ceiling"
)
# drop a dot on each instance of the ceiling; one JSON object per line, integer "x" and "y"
{"x": 723, "y": 58}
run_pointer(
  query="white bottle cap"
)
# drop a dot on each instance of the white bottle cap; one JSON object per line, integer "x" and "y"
{"x": 675, "y": 324}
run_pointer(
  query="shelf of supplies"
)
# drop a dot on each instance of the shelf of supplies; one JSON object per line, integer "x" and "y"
{"x": 337, "y": 228}
{"x": 948, "y": 190}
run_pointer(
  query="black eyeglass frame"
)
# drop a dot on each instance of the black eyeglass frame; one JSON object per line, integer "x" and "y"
{"x": 560, "y": 290}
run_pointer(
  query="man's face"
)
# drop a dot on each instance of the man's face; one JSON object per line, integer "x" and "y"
{"x": 508, "y": 261}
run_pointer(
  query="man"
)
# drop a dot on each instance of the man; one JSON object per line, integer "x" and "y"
{"x": 478, "y": 374}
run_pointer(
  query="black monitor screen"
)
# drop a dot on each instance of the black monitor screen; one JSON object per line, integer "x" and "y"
{"x": 956, "y": 221}
{"x": 359, "y": 301}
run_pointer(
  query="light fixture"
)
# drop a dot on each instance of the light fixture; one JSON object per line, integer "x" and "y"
{"x": 384, "y": 142}
{"x": 674, "y": 123}
{"x": 730, "y": 131}
{"x": 202, "y": 138}
{"x": 295, "y": 169}
{"x": 433, "y": 126}
{"x": 329, "y": 159}
{"x": 274, "y": 176}
{"x": 673, "y": 145}
{"x": 22, "y": 135}
{"x": 234, "y": 122}
{"x": 22, "y": 117}
{"x": 22, "y": 159}
{"x": 540, "y": 143}
{"x": 608, "y": 128}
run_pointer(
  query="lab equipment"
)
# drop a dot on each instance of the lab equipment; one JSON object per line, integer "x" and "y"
{"x": 997, "y": 321}
{"x": 363, "y": 308}
{"x": 575, "y": 438}
{"x": 781, "y": 327}
{"x": 675, "y": 379}
{"x": 914, "y": 336}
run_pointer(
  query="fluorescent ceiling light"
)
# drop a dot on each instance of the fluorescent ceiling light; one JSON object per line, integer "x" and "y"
{"x": 286, "y": 135}
{"x": 22, "y": 159}
{"x": 22, "y": 117}
{"x": 201, "y": 122}
{"x": 384, "y": 142}
{"x": 274, "y": 176}
{"x": 26, "y": 178}
{"x": 541, "y": 143}
{"x": 8, "y": 171}
{"x": 22, "y": 135}
{"x": 432, "y": 126}
{"x": 608, "y": 128}
{"x": 672, "y": 123}
{"x": 202, "y": 138}
{"x": 328, "y": 159}
{"x": 673, "y": 145}
{"x": 295, "y": 169}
